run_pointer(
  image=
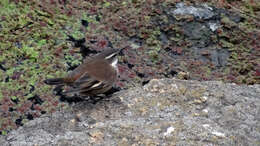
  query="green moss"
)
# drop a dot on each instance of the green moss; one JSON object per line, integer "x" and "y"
{"x": 30, "y": 52}
{"x": 13, "y": 97}
{"x": 154, "y": 55}
{"x": 106, "y": 4}
{"x": 4, "y": 132}
{"x": 77, "y": 35}
{"x": 29, "y": 95}
{"x": 1, "y": 95}
{"x": 226, "y": 44}
{"x": 42, "y": 42}
{"x": 7, "y": 7}
{"x": 229, "y": 23}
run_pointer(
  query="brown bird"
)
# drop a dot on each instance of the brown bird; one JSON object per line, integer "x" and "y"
{"x": 93, "y": 77}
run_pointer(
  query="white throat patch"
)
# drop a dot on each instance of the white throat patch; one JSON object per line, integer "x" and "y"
{"x": 114, "y": 63}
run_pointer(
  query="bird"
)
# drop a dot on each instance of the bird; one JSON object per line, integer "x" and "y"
{"x": 95, "y": 76}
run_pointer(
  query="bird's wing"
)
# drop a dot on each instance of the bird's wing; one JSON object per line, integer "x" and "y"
{"x": 99, "y": 88}
{"x": 87, "y": 85}
{"x": 85, "y": 80}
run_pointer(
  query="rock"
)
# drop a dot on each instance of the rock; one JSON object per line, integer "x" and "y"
{"x": 163, "y": 112}
{"x": 203, "y": 12}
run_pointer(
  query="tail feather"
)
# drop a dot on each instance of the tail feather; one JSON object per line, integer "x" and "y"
{"x": 54, "y": 81}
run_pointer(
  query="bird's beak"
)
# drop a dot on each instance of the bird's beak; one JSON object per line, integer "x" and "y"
{"x": 120, "y": 50}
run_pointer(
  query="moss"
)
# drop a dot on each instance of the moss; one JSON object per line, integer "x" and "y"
{"x": 106, "y": 4}
{"x": 226, "y": 44}
{"x": 77, "y": 35}
{"x": 27, "y": 36}
{"x": 7, "y": 7}
{"x": 3, "y": 132}
{"x": 227, "y": 22}
{"x": 1, "y": 95}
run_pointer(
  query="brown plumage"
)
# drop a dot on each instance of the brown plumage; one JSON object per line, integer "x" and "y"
{"x": 94, "y": 76}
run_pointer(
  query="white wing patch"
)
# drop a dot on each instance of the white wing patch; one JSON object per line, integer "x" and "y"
{"x": 95, "y": 85}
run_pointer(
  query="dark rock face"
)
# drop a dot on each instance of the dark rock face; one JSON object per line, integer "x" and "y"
{"x": 163, "y": 112}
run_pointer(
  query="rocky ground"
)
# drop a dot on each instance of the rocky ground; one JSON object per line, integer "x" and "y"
{"x": 163, "y": 112}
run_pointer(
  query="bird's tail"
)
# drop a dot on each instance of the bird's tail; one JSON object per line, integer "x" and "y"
{"x": 54, "y": 81}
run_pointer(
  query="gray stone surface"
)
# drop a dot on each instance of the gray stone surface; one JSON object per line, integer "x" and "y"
{"x": 203, "y": 12}
{"x": 163, "y": 112}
